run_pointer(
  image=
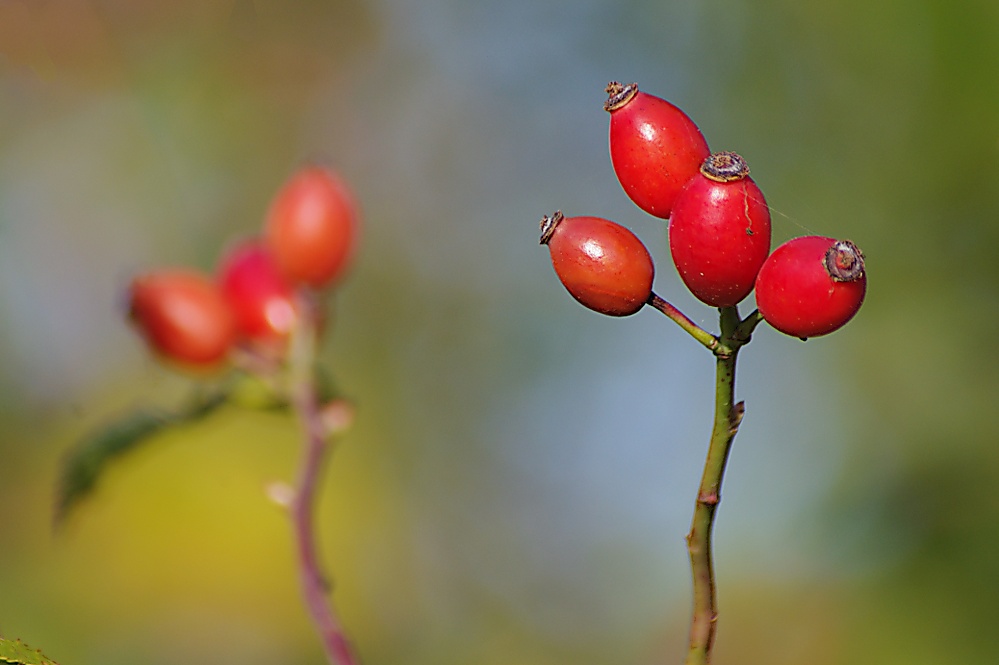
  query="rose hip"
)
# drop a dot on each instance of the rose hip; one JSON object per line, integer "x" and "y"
{"x": 602, "y": 264}
{"x": 312, "y": 227}
{"x": 811, "y": 286}
{"x": 655, "y": 147}
{"x": 262, "y": 300}
{"x": 183, "y": 316}
{"x": 719, "y": 233}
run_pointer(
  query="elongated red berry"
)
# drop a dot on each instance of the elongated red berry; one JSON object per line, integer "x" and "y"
{"x": 182, "y": 315}
{"x": 312, "y": 227}
{"x": 719, "y": 234}
{"x": 602, "y": 264}
{"x": 262, "y": 300}
{"x": 811, "y": 286}
{"x": 655, "y": 147}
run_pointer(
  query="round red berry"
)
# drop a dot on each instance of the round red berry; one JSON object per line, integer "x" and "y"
{"x": 602, "y": 264}
{"x": 811, "y": 286}
{"x": 655, "y": 147}
{"x": 182, "y": 315}
{"x": 312, "y": 227}
{"x": 719, "y": 234}
{"x": 262, "y": 300}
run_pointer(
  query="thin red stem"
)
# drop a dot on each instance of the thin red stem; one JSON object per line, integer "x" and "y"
{"x": 316, "y": 445}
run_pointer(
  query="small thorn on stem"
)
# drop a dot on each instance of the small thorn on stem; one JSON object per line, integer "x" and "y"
{"x": 337, "y": 416}
{"x": 736, "y": 416}
{"x": 281, "y": 493}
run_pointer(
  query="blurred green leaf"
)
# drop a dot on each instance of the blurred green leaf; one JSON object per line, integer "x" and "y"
{"x": 15, "y": 651}
{"x": 256, "y": 393}
{"x": 85, "y": 462}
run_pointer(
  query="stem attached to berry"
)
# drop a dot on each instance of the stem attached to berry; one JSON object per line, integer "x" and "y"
{"x": 305, "y": 401}
{"x": 694, "y": 330}
{"x": 728, "y": 415}
{"x": 744, "y": 331}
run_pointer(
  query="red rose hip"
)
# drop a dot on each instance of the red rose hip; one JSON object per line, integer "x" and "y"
{"x": 811, "y": 286}
{"x": 719, "y": 233}
{"x": 312, "y": 227}
{"x": 655, "y": 147}
{"x": 183, "y": 316}
{"x": 602, "y": 264}
{"x": 262, "y": 300}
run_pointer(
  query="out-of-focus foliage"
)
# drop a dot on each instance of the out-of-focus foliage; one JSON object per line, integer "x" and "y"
{"x": 89, "y": 458}
{"x": 522, "y": 471}
{"x": 15, "y": 651}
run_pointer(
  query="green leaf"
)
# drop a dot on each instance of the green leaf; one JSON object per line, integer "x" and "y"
{"x": 15, "y": 651}
{"x": 88, "y": 459}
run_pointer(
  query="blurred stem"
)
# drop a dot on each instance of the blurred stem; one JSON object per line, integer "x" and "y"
{"x": 316, "y": 445}
{"x": 728, "y": 415}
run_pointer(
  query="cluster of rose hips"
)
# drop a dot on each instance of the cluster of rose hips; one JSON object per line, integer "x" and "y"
{"x": 718, "y": 227}
{"x": 262, "y": 285}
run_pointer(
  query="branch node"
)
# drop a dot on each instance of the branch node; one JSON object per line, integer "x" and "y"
{"x": 709, "y": 498}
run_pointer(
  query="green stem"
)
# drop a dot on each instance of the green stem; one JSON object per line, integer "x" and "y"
{"x": 744, "y": 330}
{"x": 305, "y": 401}
{"x": 700, "y": 334}
{"x": 727, "y": 417}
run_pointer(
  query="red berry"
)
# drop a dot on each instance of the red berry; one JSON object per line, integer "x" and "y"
{"x": 182, "y": 315}
{"x": 811, "y": 286}
{"x": 312, "y": 227}
{"x": 654, "y": 147}
{"x": 719, "y": 234}
{"x": 602, "y": 264}
{"x": 262, "y": 300}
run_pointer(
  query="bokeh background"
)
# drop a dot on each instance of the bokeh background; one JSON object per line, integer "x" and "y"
{"x": 522, "y": 471}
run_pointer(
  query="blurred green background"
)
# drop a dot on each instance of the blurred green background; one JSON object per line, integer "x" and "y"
{"x": 522, "y": 471}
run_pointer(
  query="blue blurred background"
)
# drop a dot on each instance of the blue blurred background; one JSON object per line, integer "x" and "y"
{"x": 522, "y": 471}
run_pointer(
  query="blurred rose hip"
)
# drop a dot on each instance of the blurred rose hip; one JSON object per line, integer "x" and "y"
{"x": 262, "y": 300}
{"x": 182, "y": 315}
{"x": 312, "y": 227}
